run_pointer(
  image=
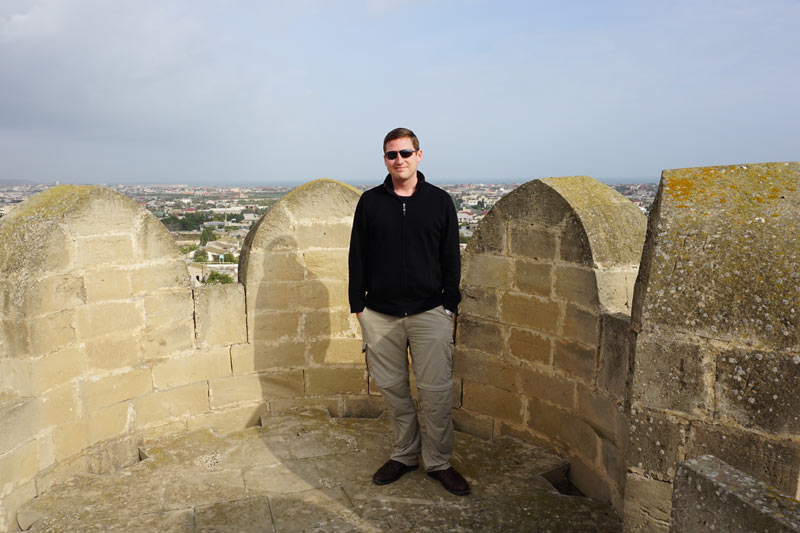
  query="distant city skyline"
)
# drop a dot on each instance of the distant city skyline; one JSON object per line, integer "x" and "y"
{"x": 268, "y": 92}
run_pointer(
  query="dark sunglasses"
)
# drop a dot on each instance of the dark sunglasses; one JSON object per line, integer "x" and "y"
{"x": 405, "y": 154}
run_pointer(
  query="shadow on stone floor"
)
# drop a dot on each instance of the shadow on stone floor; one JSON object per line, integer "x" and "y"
{"x": 308, "y": 472}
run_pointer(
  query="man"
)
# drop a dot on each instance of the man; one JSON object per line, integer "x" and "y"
{"x": 405, "y": 269}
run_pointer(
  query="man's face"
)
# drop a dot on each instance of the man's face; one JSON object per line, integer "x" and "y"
{"x": 402, "y": 169}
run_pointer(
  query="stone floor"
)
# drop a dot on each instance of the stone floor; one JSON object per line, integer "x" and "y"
{"x": 308, "y": 472}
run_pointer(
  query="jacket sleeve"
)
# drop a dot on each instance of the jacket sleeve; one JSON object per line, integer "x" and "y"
{"x": 450, "y": 259}
{"x": 357, "y": 256}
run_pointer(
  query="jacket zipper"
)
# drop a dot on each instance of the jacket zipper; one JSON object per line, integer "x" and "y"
{"x": 404, "y": 252}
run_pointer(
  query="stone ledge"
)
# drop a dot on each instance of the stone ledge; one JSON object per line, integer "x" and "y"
{"x": 709, "y": 494}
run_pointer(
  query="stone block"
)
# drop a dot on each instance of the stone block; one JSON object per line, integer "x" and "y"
{"x": 327, "y": 264}
{"x": 56, "y": 293}
{"x": 103, "y": 249}
{"x": 581, "y": 325}
{"x": 337, "y": 351}
{"x": 198, "y": 366}
{"x": 107, "y": 284}
{"x": 656, "y": 442}
{"x": 478, "y": 302}
{"x": 473, "y": 424}
{"x": 326, "y": 324}
{"x": 322, "y": 381}
{"x": 282, "y": 405}
{"x": 117, "y": 388}
{"x": 549, "y": 387}
{"x": 480, "y": 368}
{"x": 492, "y": 401}
{"x": 18, "y": 466}
{"x": 56, "y": 369}
{"x": 490, "y": 236}
{"x": 159, "y": 276}
{"x": 19, "y": 421}
{"x": 328, "y": 293}
{"x": 273, "y": 327}
{"x": 601, "y": 412}
{"x": 229, "y": 420}
{"x": 615, "y": 289}
{"x": 57, "y": 406}
{"x": 265, "y": 296}
{"x": 484, "y": 270}
{"x": 115, "y": 350}
{"x": 613, "y": 463}
{"x": 758, "y": 389}
{"x": 70, "y": 438}
{"x": 220, "y": 315}
{"x": 577, "y": 285}
{"x": 574, "y": 244}
{"x": 109, "y": 422}
{"x": 670, "y": 374}
{"x": 533, "y": 278}
{"x": 481, "y": 335}
{"x": 771, "y": 459}
{"x": 528, "y": 240}
{"x": 51, "y": 332}
{"x": 275, "y": 266}
{"x": 247, "y": 358}
{"x": 530, "y": 312}
{"x": 168, "y": 306}
{"x": 99, "y": 319}
{"x": 615, "y": 334}
{"x": 15, "y": 341}
{"x": 710, "y": 495}
{"x": 162, "y": 406}
{"x": 167, "y": 340}
{"x": 648, "y": 504}
{"x": 576, "y": 359}
{"x": 575, "y": 434}
{"x": 529, "y": 346}
{"x": 255, "y": 387}
{"x": 588, "y": 480}
{"x": 361, "y": 407}
{"x": 153, "y": 241}
{"x": 12, "y": 502}
{"x": 330, "y": 235}
{"x": 710, "y": 277}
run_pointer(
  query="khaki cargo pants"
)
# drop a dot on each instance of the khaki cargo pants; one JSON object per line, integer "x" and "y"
{"x": 429, "y": 337}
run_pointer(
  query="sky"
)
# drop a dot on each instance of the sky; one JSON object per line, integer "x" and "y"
{"x": 267, "y": 92}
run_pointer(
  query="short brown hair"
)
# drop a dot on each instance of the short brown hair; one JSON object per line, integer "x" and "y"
{"x": 401, "y": 133}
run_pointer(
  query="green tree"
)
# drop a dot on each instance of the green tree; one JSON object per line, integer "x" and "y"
{"x": 229, "y": 258}
{"x": 186, "y": 249}
{"x": 206, "y": 236}
{"x": 200, "y": 256}
{"x": 218, "y": 278}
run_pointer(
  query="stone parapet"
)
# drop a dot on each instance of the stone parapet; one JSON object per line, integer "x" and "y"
{"x": 710, "y": 495}
{"x": 547, "y": 285}
{"x": 716, "y": 343}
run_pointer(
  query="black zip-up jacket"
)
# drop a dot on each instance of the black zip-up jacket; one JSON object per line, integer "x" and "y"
{"x": 404, "y": 255}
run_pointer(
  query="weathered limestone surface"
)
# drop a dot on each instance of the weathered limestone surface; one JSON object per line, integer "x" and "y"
{"x": 716, "y": 312}
{"x": 547, "y": 284}
{"x": 294, "y": 270}
{"x": 711, "y": 495}
{"x": 307, "y": 472}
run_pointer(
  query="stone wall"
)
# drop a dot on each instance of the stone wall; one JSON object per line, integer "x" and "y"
{"x": 710, "y": 495}
{"x": 716, "y": 349}
{"x": 104, "y": 345}
{"x": 304, "y": 344}
{"x": 547, "y": 285}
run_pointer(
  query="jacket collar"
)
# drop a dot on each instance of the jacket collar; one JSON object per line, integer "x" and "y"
{"x": 387, "y": 183}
